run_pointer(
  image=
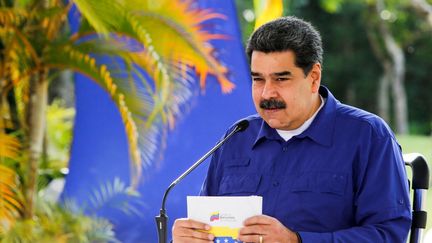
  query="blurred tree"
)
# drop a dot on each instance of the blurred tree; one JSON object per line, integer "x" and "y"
{"x": 246, "y": 16}
{"x": 117, "y": 42}
{"x": 392, "y": 27}
{"x": 424, "y": 8}
{"x": 393, "y": 62}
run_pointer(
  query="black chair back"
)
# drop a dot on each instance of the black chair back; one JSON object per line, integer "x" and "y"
{"x": 419, "y": 185}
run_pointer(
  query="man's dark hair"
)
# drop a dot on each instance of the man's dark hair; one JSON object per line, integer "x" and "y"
{"x": 288, "y": 33}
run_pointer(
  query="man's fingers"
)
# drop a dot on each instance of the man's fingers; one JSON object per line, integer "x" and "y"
{"x": 251, "y": 238}
{"x": 188, "y": 231}
{"x": 258, "y": 219}
{"x": 196, "y": 234}
{"x": 191, "y": 224}
{"x": 253, "y": 229}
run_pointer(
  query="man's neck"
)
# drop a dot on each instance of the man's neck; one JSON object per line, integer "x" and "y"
{"x": 288, "y": 134}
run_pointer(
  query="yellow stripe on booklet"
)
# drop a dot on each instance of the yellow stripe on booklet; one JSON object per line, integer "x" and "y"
{"x": 224, "y": 214}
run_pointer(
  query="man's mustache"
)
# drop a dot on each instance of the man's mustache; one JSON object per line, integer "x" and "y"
{"x": 272, "y": 104}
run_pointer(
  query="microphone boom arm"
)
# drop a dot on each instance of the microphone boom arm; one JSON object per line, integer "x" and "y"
{"x": 162, "y": 218}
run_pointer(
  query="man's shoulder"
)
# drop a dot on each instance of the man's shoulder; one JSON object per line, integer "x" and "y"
{"x": 361, "y": 119}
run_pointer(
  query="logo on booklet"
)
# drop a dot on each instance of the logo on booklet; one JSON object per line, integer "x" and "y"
{"x": 222, "y": 217}
{"x": 214, "y": 216}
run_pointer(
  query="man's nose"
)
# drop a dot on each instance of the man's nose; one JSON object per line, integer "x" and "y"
{"x": 269, "y": 90}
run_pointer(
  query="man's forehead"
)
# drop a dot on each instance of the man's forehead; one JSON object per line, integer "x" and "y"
{"x": 276, "y": 60}
{"x": 273, "y": 53}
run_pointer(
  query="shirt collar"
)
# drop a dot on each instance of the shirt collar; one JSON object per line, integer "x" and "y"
{"x": 322, "y": 127}
{"x": 320, "y": 130}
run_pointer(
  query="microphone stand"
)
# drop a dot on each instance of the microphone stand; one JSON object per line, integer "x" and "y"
{"x": 162, "y": 218}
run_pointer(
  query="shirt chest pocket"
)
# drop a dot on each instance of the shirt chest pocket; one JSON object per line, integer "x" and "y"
{"x": 237, "y": 179}
{"x": 323, "y": 198}
{"x": 320, "y": 182}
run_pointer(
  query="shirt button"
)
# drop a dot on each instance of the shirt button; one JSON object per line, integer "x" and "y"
{"x": 285, "y": 149}
{"x": 276, "y": 183}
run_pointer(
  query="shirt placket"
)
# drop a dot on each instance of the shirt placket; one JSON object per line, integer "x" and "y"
{"x": 281, "y": 164}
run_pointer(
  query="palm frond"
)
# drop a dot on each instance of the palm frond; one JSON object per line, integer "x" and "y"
{"x": 54, "y": 18}
{"x": 5, "y": 111}
{"x": 20, "y": 59}
{"x": 93, "y": 10}
{"x": 21, "y": 48}
{"x": 9, "y": 146}
{"x": 12, "y": 16}
{"x": 143, "y": 101}
{"x": 22, "y": 96}
{"x": 24, "y": 33}
{"x": 113, "y": 194}
{"x": 10, "y": 203}
{"x": 181, "y": 37}
{"x": 86, "y": 65}
{"x": 177, "y": 38}
{"x": 158, "y": 95}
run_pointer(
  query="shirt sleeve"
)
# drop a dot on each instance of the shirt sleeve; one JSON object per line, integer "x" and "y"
{"x": 382, "y": 207}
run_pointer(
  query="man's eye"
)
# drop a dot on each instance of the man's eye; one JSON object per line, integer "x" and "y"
{"x": 257, "y": 79}
{"x": 281, "y": 79}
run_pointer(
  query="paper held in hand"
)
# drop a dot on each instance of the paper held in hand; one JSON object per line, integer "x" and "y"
{"x": 224, "y": 214}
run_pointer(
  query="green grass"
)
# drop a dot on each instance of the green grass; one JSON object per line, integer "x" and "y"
{"x": 423, "y": 145}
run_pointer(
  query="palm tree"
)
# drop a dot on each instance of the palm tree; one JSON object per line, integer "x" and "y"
{"x": 165, "y": 39}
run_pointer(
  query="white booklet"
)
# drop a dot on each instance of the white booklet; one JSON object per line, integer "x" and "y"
{"x": 224, "y": 214}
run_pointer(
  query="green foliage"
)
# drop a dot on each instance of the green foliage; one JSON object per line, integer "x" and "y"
{"x": 243, "y": 8}
{"x": 419, "y": 84}
{"x": 59, "y": 134}
{"x": 56, "y": 223}
{"x": 68, "y": 223}
{"x": 331, "y": 6}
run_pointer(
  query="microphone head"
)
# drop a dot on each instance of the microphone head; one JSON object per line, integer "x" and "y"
{"x": 242, "y": 125}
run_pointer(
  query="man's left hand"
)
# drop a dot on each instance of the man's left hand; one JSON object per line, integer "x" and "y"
{"x": 265, "y": 229}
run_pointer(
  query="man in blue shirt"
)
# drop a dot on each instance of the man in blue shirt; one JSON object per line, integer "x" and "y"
{"x": 327, "y": 172}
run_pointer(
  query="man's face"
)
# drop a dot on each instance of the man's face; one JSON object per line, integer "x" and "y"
{"x": 283, "y": 96}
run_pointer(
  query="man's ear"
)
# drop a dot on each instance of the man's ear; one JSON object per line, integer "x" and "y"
{"x": 315, "y": 75}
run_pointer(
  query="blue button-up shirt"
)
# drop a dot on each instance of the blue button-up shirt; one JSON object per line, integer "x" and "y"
{"x": 341, "y": 180}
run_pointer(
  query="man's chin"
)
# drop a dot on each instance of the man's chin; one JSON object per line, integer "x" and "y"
{"x": 274, "y": 123}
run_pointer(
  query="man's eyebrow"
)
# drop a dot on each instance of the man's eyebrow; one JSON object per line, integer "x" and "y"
{"x": 284, "y": 73}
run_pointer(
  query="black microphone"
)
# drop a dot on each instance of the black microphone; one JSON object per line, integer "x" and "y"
{"x": 162, "y": 218}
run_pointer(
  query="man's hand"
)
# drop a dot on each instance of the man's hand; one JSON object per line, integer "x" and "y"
{"x": 269, "y": 229}
{"x": 186, "y": 231}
